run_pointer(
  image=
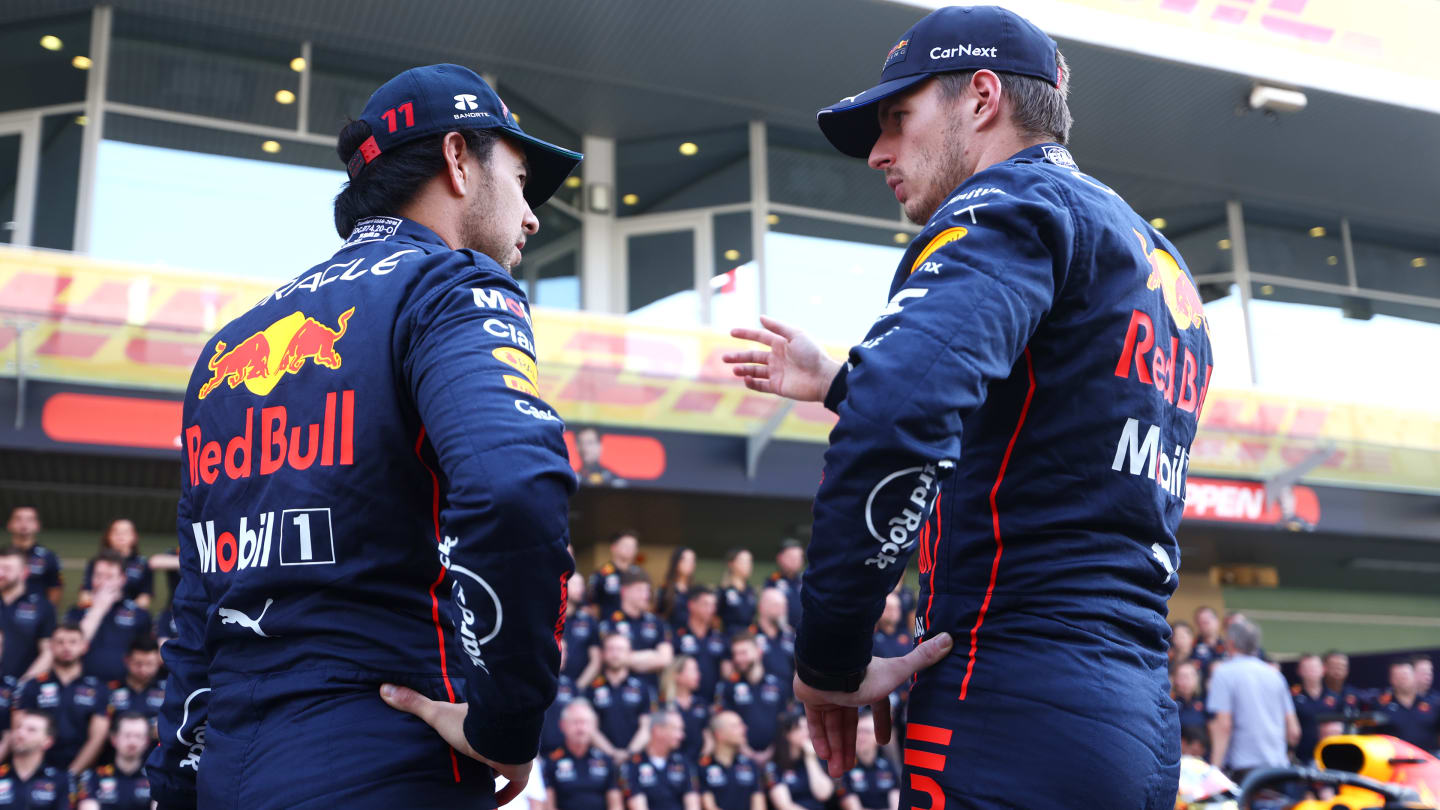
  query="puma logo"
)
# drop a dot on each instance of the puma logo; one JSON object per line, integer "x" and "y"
{"x": 1155, "y": 548}
{"x": 232, "y": 616}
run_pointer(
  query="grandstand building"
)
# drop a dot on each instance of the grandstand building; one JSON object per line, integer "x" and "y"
{"x": 165, "y": 163}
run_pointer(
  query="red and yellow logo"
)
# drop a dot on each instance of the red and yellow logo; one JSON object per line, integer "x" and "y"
{"x": 1181, "y": 298}
{"x": 941, "y": 239}
{"x": 255, "y": 364}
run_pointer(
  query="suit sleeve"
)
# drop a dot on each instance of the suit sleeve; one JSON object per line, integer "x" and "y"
{"x": 507, "y": 481}
{"x": 175, "y": 762}
{"x": 974, "y": 296}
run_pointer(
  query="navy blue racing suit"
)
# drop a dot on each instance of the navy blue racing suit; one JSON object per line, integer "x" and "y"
{"x": 372, "y": 491}
{"x": 1019, "y": 417}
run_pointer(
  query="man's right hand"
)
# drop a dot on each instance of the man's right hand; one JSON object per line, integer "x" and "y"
{"x": 795, "y": 367}
{"x": 449, "y": 720}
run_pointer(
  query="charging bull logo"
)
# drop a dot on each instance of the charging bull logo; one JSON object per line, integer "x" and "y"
{"x": 1181, "y": 298}
{"x": 255, "y": 363}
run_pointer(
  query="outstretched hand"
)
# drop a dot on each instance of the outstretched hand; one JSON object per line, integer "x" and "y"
{"x": 449, "y": 720}
{"x": 832, "y": 716}
{"x": 795, "y": 367}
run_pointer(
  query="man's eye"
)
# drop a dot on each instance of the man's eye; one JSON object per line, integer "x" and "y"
{"x": 522, "y": 179}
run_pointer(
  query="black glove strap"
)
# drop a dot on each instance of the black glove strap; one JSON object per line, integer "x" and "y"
{"x": 828, "y": 682}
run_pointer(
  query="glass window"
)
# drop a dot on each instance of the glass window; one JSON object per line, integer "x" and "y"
{"x": 806, "y": 170}
{"x": 551, "y": 264}
{"x": 1295, "y": 245}
{"x": 1200, "y": 234}
{"x": 1317, "y": 344}
{"x": 734, "y": 290}
{"x": 829, "y": 278}
{"x": 341, "y": 83}
{"x": 188, "y": 68}
{"x": 661, "y": 277}
{"x": 1394, "y": 262}
{"x": 38, "y": 60}
{"x": 690, "y": 170}
{"x": 59, "y": 181}
{"x": 212, "y": 200}
{"x": 9, "y": 176}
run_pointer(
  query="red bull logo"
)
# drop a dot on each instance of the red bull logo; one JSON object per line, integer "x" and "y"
{"x": 254, "y": 364}
{"x": 1181, "y": 297}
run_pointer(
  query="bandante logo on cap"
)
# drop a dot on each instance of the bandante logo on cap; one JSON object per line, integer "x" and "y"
{"x": 897, "y": 54}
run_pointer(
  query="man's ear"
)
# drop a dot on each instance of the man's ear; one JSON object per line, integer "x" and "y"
{"x": 986, "y": 97}
{"x": 457, "y": 163}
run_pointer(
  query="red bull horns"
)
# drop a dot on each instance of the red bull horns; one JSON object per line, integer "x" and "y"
{"x": 253, "y": 363}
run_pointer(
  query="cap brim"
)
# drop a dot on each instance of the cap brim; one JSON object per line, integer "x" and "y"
{"x": 549, "y": 165}
{"x": 852, "y": 125}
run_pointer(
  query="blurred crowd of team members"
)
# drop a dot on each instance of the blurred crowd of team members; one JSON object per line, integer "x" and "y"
{"x": 1237, "y": 711}
{"x": 679, "y": 697}
{"x": 82, "y": 685}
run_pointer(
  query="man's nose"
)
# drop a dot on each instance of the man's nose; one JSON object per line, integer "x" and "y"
{"x": 881, "y": 154}
{"x": 530, "y": 224}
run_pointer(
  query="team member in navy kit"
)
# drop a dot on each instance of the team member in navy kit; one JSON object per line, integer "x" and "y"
{"x": 565, "y": 691}
{"x": 581, "y": 633}
{"x": 678, "y": 693}
{"x": 27, "y": 781}
{"x": 1040, "y": 317}
{"x": 621, "y": 700}
{"x": 789, "y": 563}
{"x": 1409, "y": 715}
{"x": 702, "y": 640}
{"x": 1311, "y": 699}
{"x": 374, "y": 499}
{"x": 660, "y": 777}
{"x": 578, "y": 775}
{"x": 123, "y": 784}
{"x": 650, "y": 648}
{"x": 120, "y": 537}
{"x": 874, "y": 783}
{"x": 112, "y": 622}
{"x": 42, "y": 564}
{"x": 754, "y": 694}
{"x": 795, "y": 778}
{"x": 604, "y": 589}
{"x": 730, "y": 780}
{"x": 141, "y": 691}
{"x": 737, "y": 598}
{"x": 26, "y": 619}
{"x": 78, "y": 702}
{"x": 1188, "y": 698}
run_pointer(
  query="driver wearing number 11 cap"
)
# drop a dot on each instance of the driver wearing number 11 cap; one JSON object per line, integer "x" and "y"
{"x": 1018, "y": 418}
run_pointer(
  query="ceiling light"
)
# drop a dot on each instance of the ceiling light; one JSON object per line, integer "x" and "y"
{"x": 1332, "y": 260}
{"x": 1276, "y": 99}
{"x": 688, "y": 148}
{"x": 1317, "y": 232}
{"x": 50, "y": 42}
{"x": 1223, "y": 244}
{"x": 901, "y": 237}
{"x": 515, "y": 116}
{"x": 81, "y": 62}
{"x": 1418, "y": 262}
{"x": 630, "y": 199}
{"x": 284, "y": 97}
{"x": 270, "y": 147}
{"x": 82, "y": 120}
{"x": 1158, "y": 223}
{"x": 1266, "y": 289}
{"x": 573, "y": 181}
{"x": 773, "y": 219}
{"x": 298, "y": 64}
{"x": 731, "y": 255}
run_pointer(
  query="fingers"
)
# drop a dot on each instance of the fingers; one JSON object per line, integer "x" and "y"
{"x": 835, "y": 740}
{"x": 880, "y": 710}
{"x": 407, "y": 700}
{"x": 746, "y": 357}
{"x": 756, "y": 335}
{"x": 783, "y": 330}
{"x": 932, "y": 652}
{"x": 815, "y": 719}
{"x": 759, "y": 372}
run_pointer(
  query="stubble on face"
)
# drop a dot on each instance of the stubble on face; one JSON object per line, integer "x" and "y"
{"x": 485, "y": 230}
{"x": 939, "y": 166}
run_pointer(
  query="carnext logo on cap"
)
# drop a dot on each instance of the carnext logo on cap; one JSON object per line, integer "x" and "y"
{"x": 897, "y": 54}
{"x": 962, "y": 50}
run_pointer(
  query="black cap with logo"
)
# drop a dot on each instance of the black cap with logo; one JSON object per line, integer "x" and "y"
{"x": 946, "y": 40}
{"x": 441, "y": 98}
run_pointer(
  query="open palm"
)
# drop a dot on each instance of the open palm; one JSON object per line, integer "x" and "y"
{"x": 795, "y": 367}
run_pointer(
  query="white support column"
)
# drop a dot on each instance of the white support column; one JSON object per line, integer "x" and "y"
{"x": 302, "y": 119}
{"x": 1349, "y": 247}
{"x": 602, "y": 284}
{"x": 1240, "y": 263}
{"x": 759, "y": 204}
{"x": 100, "y": 23}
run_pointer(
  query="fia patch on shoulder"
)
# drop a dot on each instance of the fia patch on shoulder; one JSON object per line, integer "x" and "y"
{"x": 1060, "y": 156}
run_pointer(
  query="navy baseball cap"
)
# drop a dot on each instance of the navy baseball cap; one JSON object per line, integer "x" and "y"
{"x": 441, "y": 98}
{"x": 945, "y": 40}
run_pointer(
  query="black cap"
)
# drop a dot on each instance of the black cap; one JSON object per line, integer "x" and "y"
{"x": 946, "y": 40}
{"x": 441, "y": 98}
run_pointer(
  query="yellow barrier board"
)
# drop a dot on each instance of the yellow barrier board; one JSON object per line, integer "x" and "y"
{"x": 81, "y": 321}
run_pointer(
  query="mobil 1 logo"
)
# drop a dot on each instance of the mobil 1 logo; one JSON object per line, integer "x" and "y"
{"x": 306, "y": 537}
